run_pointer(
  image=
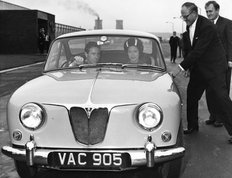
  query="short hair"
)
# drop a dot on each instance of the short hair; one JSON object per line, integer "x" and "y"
{"x": 90, "y": 45}
{"x": 191, "y": 6}
{"x": 215, "y": 4}
{"x": 134, "y": 42}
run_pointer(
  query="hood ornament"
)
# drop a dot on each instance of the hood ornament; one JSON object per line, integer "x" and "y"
{"x": 88, "y": 112}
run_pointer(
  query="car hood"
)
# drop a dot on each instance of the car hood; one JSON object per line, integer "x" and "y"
{"x": 92, "y": 86}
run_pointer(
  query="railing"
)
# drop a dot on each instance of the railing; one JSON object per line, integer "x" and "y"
{"x": 62, "y": 29}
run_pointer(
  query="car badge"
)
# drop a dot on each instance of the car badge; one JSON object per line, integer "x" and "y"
{"x": 88, "y": 112}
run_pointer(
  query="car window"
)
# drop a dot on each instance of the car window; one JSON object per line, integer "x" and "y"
{"x": 75, "y": 51}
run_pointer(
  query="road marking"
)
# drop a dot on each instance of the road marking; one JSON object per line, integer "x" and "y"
{"x": 11, "y": 69}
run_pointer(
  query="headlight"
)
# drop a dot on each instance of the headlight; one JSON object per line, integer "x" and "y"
{"x": 32, "y": 116}
{"x": 149, "y": 116}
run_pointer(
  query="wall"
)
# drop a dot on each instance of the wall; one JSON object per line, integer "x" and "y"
{"x": 18, "y": 31}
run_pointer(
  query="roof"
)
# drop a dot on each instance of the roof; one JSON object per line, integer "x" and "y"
{"x": 110, "y": 32}
{"x": 9, "y": 6}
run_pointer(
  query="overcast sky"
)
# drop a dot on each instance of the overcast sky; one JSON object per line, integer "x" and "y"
{"x": 145, "y": 15}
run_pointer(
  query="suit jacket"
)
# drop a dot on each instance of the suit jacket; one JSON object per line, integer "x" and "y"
{"x": 174, "y": 41}
{"x": 224, "y": 27}
{"x": 206, "y": 56}
{"x": 186, "y": 44}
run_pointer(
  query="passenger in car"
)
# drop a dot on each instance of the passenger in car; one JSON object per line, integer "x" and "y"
{"x": 134, "y": 49}
{"x": 92, "y": 55}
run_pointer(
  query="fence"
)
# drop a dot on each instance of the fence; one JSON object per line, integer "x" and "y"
{"x": 62, "y": 29}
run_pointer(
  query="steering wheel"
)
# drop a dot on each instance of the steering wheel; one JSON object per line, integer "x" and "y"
{"x": 64, "y": 64}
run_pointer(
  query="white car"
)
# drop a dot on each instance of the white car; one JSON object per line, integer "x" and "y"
{"x": 99, "y": 107}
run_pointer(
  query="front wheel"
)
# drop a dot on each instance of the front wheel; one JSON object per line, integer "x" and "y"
{"x": 25, "y": 171}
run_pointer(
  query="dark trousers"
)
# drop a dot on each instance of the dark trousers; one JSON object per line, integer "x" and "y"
{"x": 41, "y": 47}
{"x": 180, "y": 51}
{"x": 217, "y": 86}
{"x": 228, "y": 79}
{"x": 173, "y": 53}
{"x": 213, "y": 104}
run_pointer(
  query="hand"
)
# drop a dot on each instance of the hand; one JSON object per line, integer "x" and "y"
{"x": 230, "y": 64}
{"x": 187, "y": 73}
{"x": 175, "y": 71}
{"x": 77, "y": 61}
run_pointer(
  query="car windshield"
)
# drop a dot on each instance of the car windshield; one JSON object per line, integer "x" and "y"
{"x": 103, "y": 51}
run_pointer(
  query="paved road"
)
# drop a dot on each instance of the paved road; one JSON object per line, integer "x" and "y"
{"x": 208, "y": 154}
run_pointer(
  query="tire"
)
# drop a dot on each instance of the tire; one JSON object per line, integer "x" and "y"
{"x": 25, "y": 171}
{"x": 173, "y": 169}
{"x": 137, "y": 173}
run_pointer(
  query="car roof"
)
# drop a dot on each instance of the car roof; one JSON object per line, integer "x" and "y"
{"x": 110, "y": 32}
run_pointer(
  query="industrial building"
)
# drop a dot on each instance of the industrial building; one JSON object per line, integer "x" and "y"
{"x": 20, "y": 26}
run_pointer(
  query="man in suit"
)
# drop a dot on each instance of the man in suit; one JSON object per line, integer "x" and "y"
{"x": 207, "y": 63}
{"x": 224, "y": 27}
{"x": 174, "y": 43}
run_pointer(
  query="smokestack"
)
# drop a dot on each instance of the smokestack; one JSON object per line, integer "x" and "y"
{"x": 119, "y": 24}
{"x": 98, "y": 23}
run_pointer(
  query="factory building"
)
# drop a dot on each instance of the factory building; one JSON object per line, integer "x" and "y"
{"x": 20, "y": 27}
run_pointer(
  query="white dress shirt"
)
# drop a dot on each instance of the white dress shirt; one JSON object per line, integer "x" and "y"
{"x": 215, "y": 20}
{"x": 191, "y": 35}
{"x": 192, "y": 30}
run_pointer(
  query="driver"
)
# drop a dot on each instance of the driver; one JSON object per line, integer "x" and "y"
{"x": 92, "y": 55}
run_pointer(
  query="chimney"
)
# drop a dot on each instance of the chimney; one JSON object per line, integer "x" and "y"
{"x": 119, "y": 24}
{"x": 98, "y": 24}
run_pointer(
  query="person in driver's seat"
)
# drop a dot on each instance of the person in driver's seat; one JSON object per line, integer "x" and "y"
{"x": 92, "y": 55}
{"x": 134, "y": 49}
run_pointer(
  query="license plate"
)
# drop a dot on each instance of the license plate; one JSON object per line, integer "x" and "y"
{"x": 89, "y": 160}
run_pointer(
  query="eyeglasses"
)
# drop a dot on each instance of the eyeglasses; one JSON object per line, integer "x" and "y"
{"x": 184, "y": 17}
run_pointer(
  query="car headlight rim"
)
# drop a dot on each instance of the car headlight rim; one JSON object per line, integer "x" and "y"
{"x": 158, "y": 115}
{"x": 32, "y": 110}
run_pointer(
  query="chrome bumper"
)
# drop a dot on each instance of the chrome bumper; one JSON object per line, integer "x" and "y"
{"x": 149, "y": 156}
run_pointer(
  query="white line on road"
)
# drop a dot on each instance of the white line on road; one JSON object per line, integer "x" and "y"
{"x": 11, "y": 69}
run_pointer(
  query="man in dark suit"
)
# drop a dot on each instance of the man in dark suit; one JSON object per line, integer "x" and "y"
{"x": 207, "y": 63}
{"x": 174, "y": 43}
{"x": 224, "y": 27}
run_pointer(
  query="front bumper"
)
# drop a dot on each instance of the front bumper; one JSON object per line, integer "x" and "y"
{"x": 149, "y": 156}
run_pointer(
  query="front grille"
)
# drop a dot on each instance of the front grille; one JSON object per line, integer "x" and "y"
{"x": 89, "y": 130}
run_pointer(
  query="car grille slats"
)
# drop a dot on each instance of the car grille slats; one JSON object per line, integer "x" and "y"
{"x": 97, "y": 125}
{"x": 79, "y": 122}
{"x": 89, "y": 125}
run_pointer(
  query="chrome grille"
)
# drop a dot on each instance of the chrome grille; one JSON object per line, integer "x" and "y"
{"x": 89, "y": 125}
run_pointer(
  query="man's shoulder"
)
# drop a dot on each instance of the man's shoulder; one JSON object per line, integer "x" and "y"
{"x": 204, "y": 21}
{"x": 224, "y": 23}
{"x": 205, "y": 24}
{"x": 224, "y": 19}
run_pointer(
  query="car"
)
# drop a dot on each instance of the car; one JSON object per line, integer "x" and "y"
{"x": 105, "y": 103}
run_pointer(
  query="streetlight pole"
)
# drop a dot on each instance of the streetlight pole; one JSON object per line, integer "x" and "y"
{"x": 181, "y": 22}
{"x": 172, "y": 25}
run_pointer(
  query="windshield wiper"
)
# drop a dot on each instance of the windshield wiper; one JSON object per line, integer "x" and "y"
{"x": 119, "y": 65}
{"x": 141, "y": 66}
{"x": 88, "y": 66}
{"x": 100, "y": 65}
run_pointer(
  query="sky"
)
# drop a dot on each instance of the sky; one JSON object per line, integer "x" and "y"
{"x": 144, "y": 15}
